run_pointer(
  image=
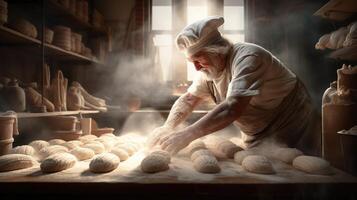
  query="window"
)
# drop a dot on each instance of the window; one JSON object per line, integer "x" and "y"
{"x": 163, "y": 18}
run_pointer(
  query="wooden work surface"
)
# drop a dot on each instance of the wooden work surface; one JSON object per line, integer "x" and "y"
{"x": 180, "y": 179}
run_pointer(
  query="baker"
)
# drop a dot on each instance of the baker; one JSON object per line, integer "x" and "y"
{"x": 252, "y": 89}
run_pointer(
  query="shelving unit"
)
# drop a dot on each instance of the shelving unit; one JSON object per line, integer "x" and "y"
{"x": 49, "y": 114}
{"x": 12, "y": 37}
{"x": 347, "y": 53}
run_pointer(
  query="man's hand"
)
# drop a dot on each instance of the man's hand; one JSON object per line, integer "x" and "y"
{"x": 176, "y": 141}
{"x": 157, "y": 134}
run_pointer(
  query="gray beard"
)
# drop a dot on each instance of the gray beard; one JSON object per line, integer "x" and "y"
{"x": 211, "y": 74}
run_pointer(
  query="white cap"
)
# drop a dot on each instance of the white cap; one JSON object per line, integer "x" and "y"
{"x": 199, "y": 34}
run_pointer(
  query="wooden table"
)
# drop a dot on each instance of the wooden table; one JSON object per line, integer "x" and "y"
{"x": 180, "y": 182}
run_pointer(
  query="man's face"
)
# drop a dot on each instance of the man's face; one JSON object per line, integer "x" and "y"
{"x": 207, "y": 63}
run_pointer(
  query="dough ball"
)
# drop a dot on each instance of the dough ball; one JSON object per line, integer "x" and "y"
{"x": 164, "y": 154}
{"x": 201, "y": 152}
{"x": 127, "y": 147}
{"x": 39, "y": 144}
{"x": 104, "y": 163}
{"x": 98, "y": 148}
{"x": 286, "y": 155}
{"x": 56, "y": 141}
{"x": 258, "y": 164}
{"x": 50, "y": 150}
{"x": 196, "y": 145}
{"x": 206, "y": 164}
{"x": 121, "y": 153}
{"x": 228, "y": 148}
{"x": 240, "y": 155}
{"x": 82, "y": 153}
{"x": 58, "y": 162}
{"x": 154, "y": 163}
{"x": 87, "y": 138}
{"x": 312, "y": 165}
{"x": 12, "y": 162}
{"x": 23, "y": 149}
{"x": 70, "y": 145}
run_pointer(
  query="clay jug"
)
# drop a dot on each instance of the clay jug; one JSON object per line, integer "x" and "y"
{"x": 14, "y": 96}
{"x": 8, "y": 125}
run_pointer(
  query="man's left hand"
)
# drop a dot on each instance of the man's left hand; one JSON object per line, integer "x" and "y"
{"x": 174, "y": 142}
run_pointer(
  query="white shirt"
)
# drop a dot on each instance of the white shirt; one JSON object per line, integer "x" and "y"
{"x": 250, "y": 71}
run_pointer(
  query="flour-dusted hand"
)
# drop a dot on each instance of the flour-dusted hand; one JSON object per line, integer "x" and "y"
{"x": 157, "y": 134}
{"x": 176, "y": 141}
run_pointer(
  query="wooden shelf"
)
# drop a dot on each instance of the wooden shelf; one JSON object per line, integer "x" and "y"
{"x": 12, "y": 37}
{"x": 65, "y": 16}
{"x": 338, "y": 10}
{"x": 347, "y": 53}
{"x": 48, "y": 114}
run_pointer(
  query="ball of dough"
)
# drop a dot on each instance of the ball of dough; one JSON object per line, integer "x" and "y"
{"x": 206, "y": 164}
{"x": 228, "y": 148}
{"x": 286, "y": 155}
{"x": 58, "y": 162}
{"x": 87, "y": 138}
{"x": 312, "y": 165}
{"x": 258, "y": 164}
{"x": 82, "y": 153}
{"x": 70, "y": 145}
{"x": 23, "y": 149}
{"x": 196, "y": 145}
{"x": 201, "y": 152}
{"x": 154, "y": 163}
{"x": 126, "y": 147}
{"x": 240, "y": 155}
{"x": 121, "y": 153}
{"x": 98, "y": 148}
{"x": 12, "y": 162}
{"x": 56, "y": 141}
{"x": 50, "y": 150}
{"x": 103, "y": 163}
{"x": 39, "y": 144}
{"x": 164, "y": 154}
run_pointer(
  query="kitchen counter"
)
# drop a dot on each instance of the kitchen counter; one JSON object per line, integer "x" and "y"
{"x": 181, "y": 181}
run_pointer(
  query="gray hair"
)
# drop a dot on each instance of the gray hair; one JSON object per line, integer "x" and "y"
{"x": 221, "y": 46}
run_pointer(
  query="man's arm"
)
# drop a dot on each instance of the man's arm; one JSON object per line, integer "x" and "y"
{"x": 181, "y": 109}
{"x": 220, "y": 117}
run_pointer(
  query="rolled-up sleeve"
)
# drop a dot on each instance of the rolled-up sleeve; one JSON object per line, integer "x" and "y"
{"x": 199, "y": 87}
{"x": 247, "y": 76}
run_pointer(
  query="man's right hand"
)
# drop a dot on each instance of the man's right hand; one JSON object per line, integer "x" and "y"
{"x": 157, "y": 134}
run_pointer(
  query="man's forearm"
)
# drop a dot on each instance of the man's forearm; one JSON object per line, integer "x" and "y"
{"x": 219, "y": 118}
{"x": 181, "y": 109}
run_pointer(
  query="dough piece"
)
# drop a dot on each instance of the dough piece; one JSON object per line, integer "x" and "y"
{"x": 98, "y": 148}
{"x": 221, "y": 147}
{"x": 240, "y": 155}
{"x": 103, "y": 163}
{"x": 50, "y": 150}
{"x": 71, "y": 144}
{"x": 164, "y": 154}
{"x": 196, "y": 145}
{"x": 154, "y": 163}
{"x": 121, "y": 153}
{"x": 258, "y": 164}
{"x": 108, "y": 143}
{"x": 201, "y": 152}
{"x": 228, "y": 148}
{"x": 39, "y": 144}
{"x": 312, "y": 165}
{"x": 56, "y": 141}
{"x": 286, "y": 155}
{"x": 82, "y": 153}
{"x": 58, "y": 162}
{"x": 12, "y": 162}
{"x": 23, "y": 149}
{"x": 87, "y": 138}
{"x": 130, "y": 149}
{"x": 206, "y": 164}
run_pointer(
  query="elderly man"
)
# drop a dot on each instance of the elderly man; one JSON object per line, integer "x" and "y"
{"x": 252, "y": 89}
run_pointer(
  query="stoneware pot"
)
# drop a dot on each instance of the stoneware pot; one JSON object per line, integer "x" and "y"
{"x": 14, "y": 97}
